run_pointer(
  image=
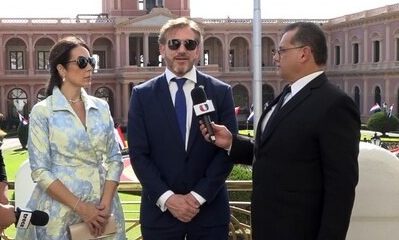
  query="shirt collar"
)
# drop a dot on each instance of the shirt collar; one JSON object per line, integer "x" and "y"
{"x": 302, "y": 82}
{"x": 191, "y": 75}
{"x": 59, "y": 101}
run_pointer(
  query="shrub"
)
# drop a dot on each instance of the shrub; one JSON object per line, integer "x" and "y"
{"x": 383, "y": 122}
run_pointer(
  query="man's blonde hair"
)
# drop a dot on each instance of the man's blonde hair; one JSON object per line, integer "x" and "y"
{"x": 181, "y": 22}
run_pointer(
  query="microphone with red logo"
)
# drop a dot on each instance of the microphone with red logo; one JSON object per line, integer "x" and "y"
{"x": 25, "y": 217}
{"x": 202, "y": 108}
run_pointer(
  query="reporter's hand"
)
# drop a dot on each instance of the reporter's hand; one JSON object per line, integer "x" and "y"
{"x": 223, "y": 136}
{"x": 3, "y": 193}
{"x": 7, "y": 216}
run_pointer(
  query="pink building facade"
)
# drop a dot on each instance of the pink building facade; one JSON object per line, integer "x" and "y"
{"x": 363, "y": 54}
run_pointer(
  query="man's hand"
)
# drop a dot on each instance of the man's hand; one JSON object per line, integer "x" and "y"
{"x": 224, "y": 138}
{"x": 181, "y": 208}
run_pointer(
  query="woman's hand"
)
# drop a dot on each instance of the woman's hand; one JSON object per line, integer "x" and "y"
{"x": 93, "y": 216}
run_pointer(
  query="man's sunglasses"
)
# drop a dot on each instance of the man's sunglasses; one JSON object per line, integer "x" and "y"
{"x": 83, "y": 61}
{"x": 189, "y": 44}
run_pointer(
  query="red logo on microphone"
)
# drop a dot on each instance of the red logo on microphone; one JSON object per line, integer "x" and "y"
{"x": 204, "y": 107}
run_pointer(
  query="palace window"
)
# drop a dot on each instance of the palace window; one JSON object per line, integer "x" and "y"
{"x": 16, "y": 60}
{"x": 355, "y": 57}
{"x": 42, "y": 60}
{"x": 376, "y": 51}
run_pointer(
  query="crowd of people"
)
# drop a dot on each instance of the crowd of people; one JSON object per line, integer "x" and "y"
{"x": 303, "y": 192}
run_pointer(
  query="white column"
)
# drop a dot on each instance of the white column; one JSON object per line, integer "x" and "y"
{"x": 347, "y": 47}
{"x": 145, "y": 49}
{"x": 32, "y": 96}
{"x": 387, "y": 92}
{"x": 387, "y": 42}
{"x": 2, "y": 57}
{"x": 4, "y": 100}
{"x": 127, "y": 50}
{"x": 201, "y": 60}
{"x": 365, "y": 46}
{"x": 366, "y": 105}
{"x": 30, "y": 49}
{"x": 118, "y": 100}
{"x": 117, "y": 50}
{"x": 226, "y": 64}
{"x": 125, "y": 102}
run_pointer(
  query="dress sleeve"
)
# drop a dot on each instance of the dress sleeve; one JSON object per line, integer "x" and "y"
{"x": 39, "y": 147}
{"x": 113, "y": 159}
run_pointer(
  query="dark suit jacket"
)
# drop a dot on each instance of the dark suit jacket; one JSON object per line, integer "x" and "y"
{"x": 305, "y": 169}
{"x": 159, "y": 158}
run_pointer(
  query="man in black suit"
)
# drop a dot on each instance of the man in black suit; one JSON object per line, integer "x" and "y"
{"x": 184, "y": 193}
{"x": 305, "y": 168}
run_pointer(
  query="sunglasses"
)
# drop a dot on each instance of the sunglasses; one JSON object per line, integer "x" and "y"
{"x": 189, "y": 44}
{"x": 83, "y": 61}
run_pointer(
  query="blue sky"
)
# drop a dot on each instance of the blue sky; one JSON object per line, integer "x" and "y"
{"x": 200, "y": 8}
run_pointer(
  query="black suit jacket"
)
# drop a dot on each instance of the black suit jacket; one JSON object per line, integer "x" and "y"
{"x": 305, "y": 168}
{"x": 159, "y": 158}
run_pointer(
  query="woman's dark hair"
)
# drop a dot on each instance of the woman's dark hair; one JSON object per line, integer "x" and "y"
{"x": 60, "y": 53}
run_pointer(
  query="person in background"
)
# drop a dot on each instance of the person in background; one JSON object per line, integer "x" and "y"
{"x": 183, "y": 177}
{"x": 304, "y": 155}
{"x": 73, "y": 154}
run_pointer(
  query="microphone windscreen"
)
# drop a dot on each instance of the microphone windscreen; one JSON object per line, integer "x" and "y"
{"x": 198, "y": 95}
{"x": 39, "y": 218}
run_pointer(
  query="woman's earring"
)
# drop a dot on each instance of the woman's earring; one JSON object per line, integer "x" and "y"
{"x": 63, "y": 79}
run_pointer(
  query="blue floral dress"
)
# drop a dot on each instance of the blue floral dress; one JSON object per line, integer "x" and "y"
{"x": 82, "y": 158}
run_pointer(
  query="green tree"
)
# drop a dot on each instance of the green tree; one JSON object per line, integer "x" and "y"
{"x": 383, "y": 122}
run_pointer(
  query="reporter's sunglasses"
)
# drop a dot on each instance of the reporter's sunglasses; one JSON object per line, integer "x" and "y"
{"x": 83, "y": 61}
{"x": 189, "y": 44}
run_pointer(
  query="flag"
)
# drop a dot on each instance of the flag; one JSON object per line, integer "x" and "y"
{"x": 375, "y": 107}
{"x": 23, "y": 120}
{"x": 390, "y": 111}
{"x": 250, "y": 117}
{"x": 237, "y": 110}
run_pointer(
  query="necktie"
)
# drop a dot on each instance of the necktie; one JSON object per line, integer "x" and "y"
{"x": 180, "y": 106}
{"x": 279, "y": 104}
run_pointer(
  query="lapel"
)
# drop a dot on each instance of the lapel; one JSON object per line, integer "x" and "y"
{"x": 165, "y": 101}
{"x": 292, "y": 104}
{"x": 194, "y": 129}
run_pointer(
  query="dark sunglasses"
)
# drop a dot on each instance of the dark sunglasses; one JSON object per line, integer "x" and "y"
{"x": 83, "y": 61}
{"x": 189, "y": 44}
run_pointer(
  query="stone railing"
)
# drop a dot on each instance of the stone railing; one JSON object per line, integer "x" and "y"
{"x": 240, "y": 210}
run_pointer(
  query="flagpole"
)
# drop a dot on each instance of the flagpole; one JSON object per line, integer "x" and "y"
{"x": 257, "y": 67}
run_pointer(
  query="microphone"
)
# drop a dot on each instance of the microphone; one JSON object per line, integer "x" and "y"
{"x": 202, "y": 108}
{"x": 25, "y": 217}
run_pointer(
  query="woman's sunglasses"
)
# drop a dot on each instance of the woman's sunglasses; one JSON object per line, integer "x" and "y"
{"x": 189, "y": 44}
{"x": 83, "y": 61}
